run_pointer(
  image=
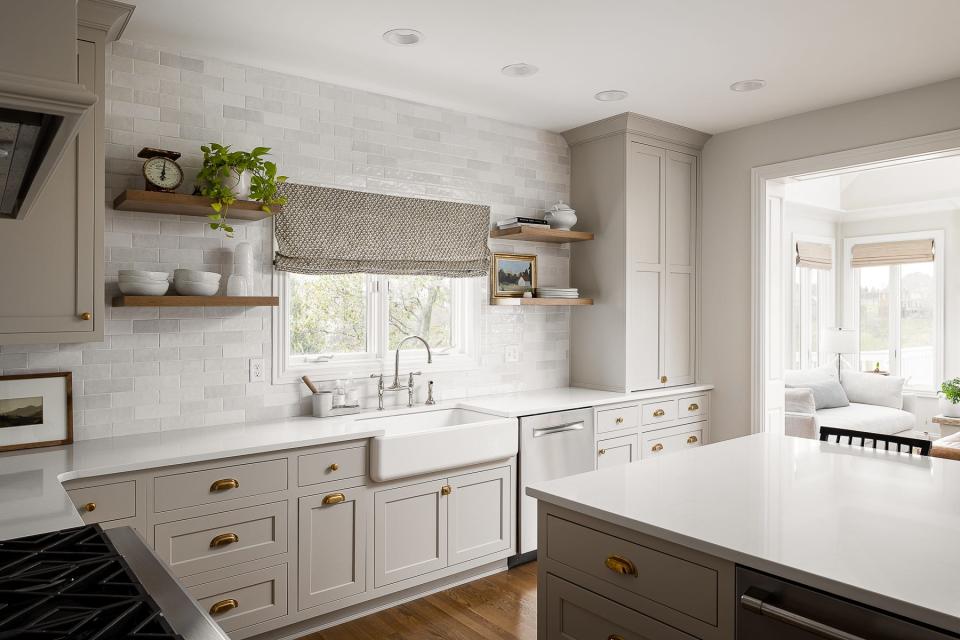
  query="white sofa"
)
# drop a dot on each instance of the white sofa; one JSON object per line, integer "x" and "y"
{"x": 868, "y": 402}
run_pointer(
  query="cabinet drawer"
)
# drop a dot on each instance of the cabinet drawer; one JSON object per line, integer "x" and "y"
{"x": 692, "y": 406}
{"x": 655, "y": 444}
{"x": 219, "y": 540}
{"x": 683, "y": 586}
{"x": 106, "y": 502}
{"x": 326, "y": 466}
{"x": 657, "y": 412}
{"x": 619, "y": 418}
{"x": 577, "y": 614}
{"x": 244, "y": 600}
{"x": 180, "y": 490}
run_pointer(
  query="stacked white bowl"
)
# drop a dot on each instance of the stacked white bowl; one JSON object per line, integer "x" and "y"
{"x": 189, "y": 282}
{"x": 134, "y": 282}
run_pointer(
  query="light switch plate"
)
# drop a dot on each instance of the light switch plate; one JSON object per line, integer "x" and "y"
{"x": 511, "y": 353}
{"x": 257, "y": 370}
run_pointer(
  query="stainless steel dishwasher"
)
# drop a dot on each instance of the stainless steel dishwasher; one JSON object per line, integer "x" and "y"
{"x": 552, "y": 445}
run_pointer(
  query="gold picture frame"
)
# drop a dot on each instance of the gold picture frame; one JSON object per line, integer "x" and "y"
{"x": 507, "y": 266}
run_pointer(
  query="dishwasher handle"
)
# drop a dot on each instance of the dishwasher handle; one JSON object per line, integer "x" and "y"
{"x": 560, "y": 428}
{"x": 754, "y": 601}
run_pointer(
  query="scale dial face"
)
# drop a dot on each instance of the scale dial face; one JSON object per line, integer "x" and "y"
{"x": 163, "y": 174}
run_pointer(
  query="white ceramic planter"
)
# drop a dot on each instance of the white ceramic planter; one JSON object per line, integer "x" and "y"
{"x": 239, "y": 184}
{"x": 949, "y": 409}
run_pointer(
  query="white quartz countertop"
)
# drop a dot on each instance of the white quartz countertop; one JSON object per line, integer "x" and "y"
{"x": 880, "y": 528}
{"x": 526, "y": 403}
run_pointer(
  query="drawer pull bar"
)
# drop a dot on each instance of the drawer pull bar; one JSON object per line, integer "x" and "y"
{"x": 334, "y": 498}
{"x": 90, "y": 506}
{"x": 692, "y": 440}
{"x": 619, "y": 420}
{"x": 560, "y": 428}
{"x": 224, "y": 485}
{"x": 693, "y": 407}
{"x": 223, "y": 540}
{"x": 619, "y": 564}
{"x": 657, "y": 447}
{"x": 223, "y": 606}
{"x": 659, "y": 413}
{"x": 754, "y": 602}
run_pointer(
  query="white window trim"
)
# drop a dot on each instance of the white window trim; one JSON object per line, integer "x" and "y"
{"x": 466, "y": 322}
{"x": 828, "y": 302}
{"x": 851, "y": 310}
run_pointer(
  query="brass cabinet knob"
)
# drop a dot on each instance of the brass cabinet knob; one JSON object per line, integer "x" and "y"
{"x": 334, "y": 498}
{"x": 90, "y": 506}
{"x": 86, "y": 315}
{"x": 223, "y": 606}
{"x": 693, "y": 407}
{"x": 659, "y": 413}
{"x": 446, "y": 490}
{"x": 223, "y": 540}
{"x": 619, "y": 420}
{"x": 334, "y": 467}
{"x": 602, "y": 451}
{"x": 224, "y": 485}
{"x": 619, "y": 564}
{"x": 657, "y": 447}
{"x": 614, "y": 636}
{"x": 692, "y": 440}
{"x": 663, "y": 379}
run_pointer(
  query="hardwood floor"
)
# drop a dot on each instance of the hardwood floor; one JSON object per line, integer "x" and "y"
{"x": 500, "y": 607}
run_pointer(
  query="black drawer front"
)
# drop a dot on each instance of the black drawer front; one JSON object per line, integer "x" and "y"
{"x": 768, "y": 607}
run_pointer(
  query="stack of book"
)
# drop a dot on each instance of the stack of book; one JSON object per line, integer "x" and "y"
{"x": 518, "y": 222}
{"x": 556, "y": 292}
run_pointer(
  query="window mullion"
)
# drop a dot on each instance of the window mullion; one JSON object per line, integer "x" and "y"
{"x": 895, "y": 314}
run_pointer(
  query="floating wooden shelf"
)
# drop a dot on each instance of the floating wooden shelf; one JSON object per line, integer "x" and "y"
{"x": 181, "y": 204}
{"x": 196, "y": 301}
{"x": 536, "y": 234}
{"x": 546, "y": 302}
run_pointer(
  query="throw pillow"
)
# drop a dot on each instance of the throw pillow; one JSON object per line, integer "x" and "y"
{"x": 873, "y": 388}
{"x": 827, "y": 392}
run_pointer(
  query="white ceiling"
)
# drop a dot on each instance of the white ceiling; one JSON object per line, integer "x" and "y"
{"x": 676, "y": 58}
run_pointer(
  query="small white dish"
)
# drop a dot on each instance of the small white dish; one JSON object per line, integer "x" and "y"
{"x": 144, "y": 288}
{"x": 191, "y": 275}
{"x": 196, "y": 288}
{"x": 143, "y": 275}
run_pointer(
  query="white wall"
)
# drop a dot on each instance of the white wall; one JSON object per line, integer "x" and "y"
{"x": 727, "y": 161}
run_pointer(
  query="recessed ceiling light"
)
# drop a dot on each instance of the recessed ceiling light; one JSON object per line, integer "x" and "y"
{"x": 748, "y": 85}
{"x": 611, "y": 95}
{"x": 403, "y": 37}
{"x": 519, "y": 70}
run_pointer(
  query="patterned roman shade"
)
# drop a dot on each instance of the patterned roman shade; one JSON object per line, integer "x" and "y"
{"x": 325, "y": 230}
{"x": 815, "y": 255}
{"x": 886, "y": 253}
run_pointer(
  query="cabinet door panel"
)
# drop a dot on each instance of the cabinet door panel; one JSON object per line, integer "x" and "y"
{"x": 332, "y": 547}
{"x": 678, "y": 335}
{"x": 681, "y": 208}
{"x": 643, "y": 331}
{"x": 616, "y": 451}
{"x": 645, "y": 208}
{"x": 410, "y": 532}
{"x": 479, "y": 514}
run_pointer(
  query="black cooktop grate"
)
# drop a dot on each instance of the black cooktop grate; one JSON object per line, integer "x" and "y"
{"x": 73, "y": 584}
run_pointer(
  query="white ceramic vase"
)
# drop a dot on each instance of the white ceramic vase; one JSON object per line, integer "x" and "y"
{"x": 239, "y": 183}
{"x": 949, "y": 409}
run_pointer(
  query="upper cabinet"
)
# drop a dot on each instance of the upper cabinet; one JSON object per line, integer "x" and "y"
{"x": 635, "y": 182}
{"x": 51, "y": 262}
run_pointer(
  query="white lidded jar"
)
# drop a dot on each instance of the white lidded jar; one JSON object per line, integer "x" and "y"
{"x": 561, "y": 217}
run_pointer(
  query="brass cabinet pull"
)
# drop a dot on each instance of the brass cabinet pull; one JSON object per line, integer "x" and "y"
{"x": 334, "y": 467}
{"x": 663, "y": 379}
{"x": 223, "y": 606}
{"x": 619, "y": 420}
{"x": 86, "y": 315}
{"x": 446, "y": 490}
{"x": 619, "y": 564}
{"x": 657, "y": 447}
{"x": 692, "y": 440}
{"x": 334, "y": 498}
{"x": 693, "y": 407}
{"x": 602, "y": 451}
{"x": 90, "y": 506}
{"x": 223, "y": 540}
{"x": 659, "y": 413}
{"x": 224, "y": 485}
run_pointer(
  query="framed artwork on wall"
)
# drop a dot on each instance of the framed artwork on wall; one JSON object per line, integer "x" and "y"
{"x": 36, "y": 410}
{"x": 512, "y": 275}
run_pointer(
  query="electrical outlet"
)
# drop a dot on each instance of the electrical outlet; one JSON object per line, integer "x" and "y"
{"x": 257, "y": 370}
{"x": 511, "y": 353}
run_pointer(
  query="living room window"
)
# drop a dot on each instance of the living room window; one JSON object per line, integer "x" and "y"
{"x": 333, "y": 326}
{"x": 812, "y": 300}
{"x": 897, "y": 305}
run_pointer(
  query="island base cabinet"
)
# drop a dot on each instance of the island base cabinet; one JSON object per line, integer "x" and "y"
{"x": 332, "y": 546}
{"x": 479, "y": 514}
{"x": 577, "y": 614}
{"x": 410, "y": 531}
{"x": 246, "y": 599}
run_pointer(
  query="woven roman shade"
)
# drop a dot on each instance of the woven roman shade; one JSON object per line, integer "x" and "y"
{"x": 814, "y": 255}
{"x": 887, "y": 253}
{"x": 325, "y": 230}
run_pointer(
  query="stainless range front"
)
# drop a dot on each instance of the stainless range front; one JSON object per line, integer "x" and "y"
{"x": 552, "y": 445}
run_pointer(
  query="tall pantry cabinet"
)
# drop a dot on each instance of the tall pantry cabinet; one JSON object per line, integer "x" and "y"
{"x": 635, "y": 183}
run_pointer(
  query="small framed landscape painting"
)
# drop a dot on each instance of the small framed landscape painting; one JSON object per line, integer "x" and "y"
{"x": 512, "y": 275}
{"x": 36, "y": 410}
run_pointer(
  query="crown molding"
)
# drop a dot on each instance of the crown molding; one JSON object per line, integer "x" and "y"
{"x": 109, "y": 16}
{"x": 635, "y": 123}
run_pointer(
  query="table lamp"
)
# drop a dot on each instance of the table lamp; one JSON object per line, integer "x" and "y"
{"x": 840, "y": 341}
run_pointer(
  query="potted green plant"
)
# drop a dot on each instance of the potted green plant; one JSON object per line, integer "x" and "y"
{"x": 950, "y": 398}
{"x": 227, "y": 176}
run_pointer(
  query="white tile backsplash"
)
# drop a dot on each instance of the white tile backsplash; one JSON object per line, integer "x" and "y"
{"x": 180, "y": 368}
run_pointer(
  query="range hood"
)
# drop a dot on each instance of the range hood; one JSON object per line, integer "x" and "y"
{"x": 39, "y": 118}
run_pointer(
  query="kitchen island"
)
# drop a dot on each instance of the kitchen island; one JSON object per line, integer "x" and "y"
{"x": 762, "y": 536}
